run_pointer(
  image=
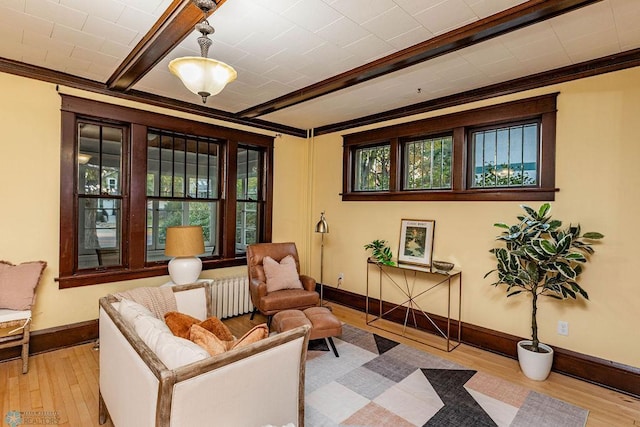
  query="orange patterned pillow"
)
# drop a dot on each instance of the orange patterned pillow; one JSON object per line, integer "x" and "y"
{"x": 18, "y": 284}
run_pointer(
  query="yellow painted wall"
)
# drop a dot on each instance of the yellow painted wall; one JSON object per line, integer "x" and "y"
{"x": 30, "y": 195}
{"x": 597, "y": 176}
{"x": 599, "y": 179}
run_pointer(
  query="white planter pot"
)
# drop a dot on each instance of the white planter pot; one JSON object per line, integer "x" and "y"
{"x": 535, "y": 365}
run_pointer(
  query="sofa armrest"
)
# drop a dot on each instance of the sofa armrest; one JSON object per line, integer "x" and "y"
{"x": 128, "y": 373}
{"x": 194, "y": 299}
{"x": 267, "y": 377}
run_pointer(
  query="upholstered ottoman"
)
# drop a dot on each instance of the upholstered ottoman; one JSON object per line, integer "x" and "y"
{"x": 323, "y": 323}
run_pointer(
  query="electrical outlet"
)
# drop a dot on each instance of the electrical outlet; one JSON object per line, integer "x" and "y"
{"x": 563, "y": 327}
{"x": 341, "y": 276}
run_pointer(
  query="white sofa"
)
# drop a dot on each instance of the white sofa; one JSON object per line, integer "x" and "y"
{"x": 252, "y": 386}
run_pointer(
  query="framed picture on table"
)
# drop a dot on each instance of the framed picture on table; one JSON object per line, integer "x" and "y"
{"x": 416, "y": 242}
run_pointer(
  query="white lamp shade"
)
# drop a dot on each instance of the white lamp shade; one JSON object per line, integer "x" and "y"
{"x": 185, "y": 270}
{"x": 202, "y": 76}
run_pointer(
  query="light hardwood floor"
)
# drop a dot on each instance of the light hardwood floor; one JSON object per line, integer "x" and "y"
{"x": 66, "y": 381}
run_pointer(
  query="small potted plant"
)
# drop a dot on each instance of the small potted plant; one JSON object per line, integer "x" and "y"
{"x": 380, "y": 252}
{"x": 541, "y": 259}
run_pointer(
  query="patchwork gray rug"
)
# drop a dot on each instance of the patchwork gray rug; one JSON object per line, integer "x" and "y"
{"x": 379, "y": 382}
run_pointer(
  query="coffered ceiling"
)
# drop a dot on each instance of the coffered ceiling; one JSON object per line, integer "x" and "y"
{"x": 323, "y": 64}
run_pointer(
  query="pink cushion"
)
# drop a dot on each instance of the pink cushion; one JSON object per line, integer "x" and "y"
{"x": 18, "y": 284}
{"x": 282, "y": 275}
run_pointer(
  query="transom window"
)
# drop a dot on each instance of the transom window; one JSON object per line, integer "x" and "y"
{"x": 372, "y": 173}
{"x": 505, "y": 156}
{"x": 427, "y": 163}
{"x": 126, "y": 175}
{"x": 501, "y": 152}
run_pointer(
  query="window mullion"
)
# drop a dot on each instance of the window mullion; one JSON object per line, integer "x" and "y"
{"x": 230, "y": 203}
{"x": 395, "y": 168}
{"x": 509, "y": 175}
{"x": 522, "y": 170}
{"x": 135, "y": 198}
{"x": 431, "y": 161}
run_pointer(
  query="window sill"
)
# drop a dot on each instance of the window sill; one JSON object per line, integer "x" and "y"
{"x": 499, "y": 195}
{"x": 86, "y": 278}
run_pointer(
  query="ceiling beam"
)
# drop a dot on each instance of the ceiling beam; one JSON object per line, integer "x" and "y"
{"x": 176, "y": 23}
{"x": 512, "y": 19}
{"x": 607, "y": 64}
{"x": 56, "y": 77}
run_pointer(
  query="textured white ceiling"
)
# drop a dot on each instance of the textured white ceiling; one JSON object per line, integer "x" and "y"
{"x": 279, "y": 46}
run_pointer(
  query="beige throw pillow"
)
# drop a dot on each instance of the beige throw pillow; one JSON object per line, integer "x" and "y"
{"x": 282, "y": 275}
{"x": 18, "y": 284}
{"x": 257, "y": 333}
{"x": 208, "y": 340}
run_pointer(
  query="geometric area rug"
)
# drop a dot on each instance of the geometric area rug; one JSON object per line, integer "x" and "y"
{"x": 379, "y": 382}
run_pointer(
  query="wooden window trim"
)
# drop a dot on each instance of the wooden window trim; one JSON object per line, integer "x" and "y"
{"x": 138, "y": 121}
{"x": 543, "y": 107}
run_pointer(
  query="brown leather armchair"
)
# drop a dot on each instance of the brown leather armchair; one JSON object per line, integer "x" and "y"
{"x": 285, "y": 299}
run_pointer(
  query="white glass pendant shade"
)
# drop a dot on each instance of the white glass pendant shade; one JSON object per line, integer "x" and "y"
{"x": 202, "y": 76}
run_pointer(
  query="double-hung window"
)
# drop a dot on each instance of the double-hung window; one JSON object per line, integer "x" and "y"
{"x": 501, "y": 152}
{"x": 249, "y": 196}
{"x": 100, "y": 152}
{"x": 127, "y": 175}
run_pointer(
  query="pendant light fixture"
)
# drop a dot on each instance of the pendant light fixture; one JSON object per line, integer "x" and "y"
{"x": 201, "y": 75}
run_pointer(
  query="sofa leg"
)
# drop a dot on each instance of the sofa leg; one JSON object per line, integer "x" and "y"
{"x": 333, "y": 346}
{"x": 102, "y": 410}
{"x": 253, "y": 313}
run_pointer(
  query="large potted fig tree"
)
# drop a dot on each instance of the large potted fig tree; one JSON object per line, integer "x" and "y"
{"x": 540, "y": 258}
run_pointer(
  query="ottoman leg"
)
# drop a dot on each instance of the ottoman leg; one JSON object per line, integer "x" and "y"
{"x": 333, "y": 346}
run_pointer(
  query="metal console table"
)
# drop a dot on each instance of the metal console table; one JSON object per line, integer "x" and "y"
{"x": 411, "y": 307}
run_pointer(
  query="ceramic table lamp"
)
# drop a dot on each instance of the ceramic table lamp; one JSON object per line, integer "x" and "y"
{"x": 184, "y": 243}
